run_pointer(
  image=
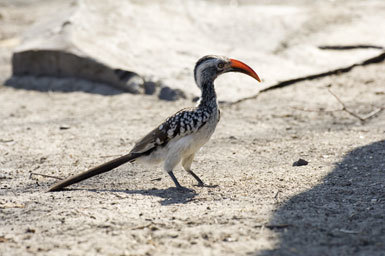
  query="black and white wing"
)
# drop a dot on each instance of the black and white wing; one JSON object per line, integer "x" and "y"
{"x": 182, "y": 123}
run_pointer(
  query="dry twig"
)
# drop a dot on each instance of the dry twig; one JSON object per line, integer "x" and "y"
{"x": 272, "y": 226}
{"x": 376, "y": 59}
{"x": 241, "y": 100}
{"x": 44, "y": 175}
{"x": 350, "y": 47}
{"x": 344, "y": 108}
{"x": 108, "y": 156}
{"x": 6, "y": 140}
{"x": 315, "y": 110}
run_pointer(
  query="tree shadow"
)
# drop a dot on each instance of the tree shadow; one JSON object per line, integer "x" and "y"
{"x": 345, "y": 215}
{"x": 170, "y": 195}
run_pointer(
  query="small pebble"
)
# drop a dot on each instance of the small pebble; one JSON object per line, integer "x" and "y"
{"x": 64, "y": 127}
{"x": 300, "y": 162}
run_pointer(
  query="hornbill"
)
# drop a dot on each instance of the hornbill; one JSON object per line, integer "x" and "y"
{"x": 181, "y": 135}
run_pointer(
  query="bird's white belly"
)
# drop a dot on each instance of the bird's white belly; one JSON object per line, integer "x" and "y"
{"x": 181, "y": 147}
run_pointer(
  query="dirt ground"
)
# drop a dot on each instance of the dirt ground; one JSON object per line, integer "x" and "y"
{"x": 263, "y": 205}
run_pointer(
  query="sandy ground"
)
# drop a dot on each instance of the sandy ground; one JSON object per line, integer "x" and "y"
{"x": 262, "y": 206}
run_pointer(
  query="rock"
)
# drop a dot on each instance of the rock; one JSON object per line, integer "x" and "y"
{"x": 300, "y": 162}
{"x": 131, "y": 81}
{"x": 166, "y": 93}
{"x": 195, "y": 99}
{"x": 149, "y": 87}
{"x": 64, "y": 127}
{"x": 58, "y": 63}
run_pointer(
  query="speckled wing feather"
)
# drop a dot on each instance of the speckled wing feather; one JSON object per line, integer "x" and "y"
{"x": 182, "y": 123}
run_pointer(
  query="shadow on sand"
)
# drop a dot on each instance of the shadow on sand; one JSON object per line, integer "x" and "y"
{"x": 345, "y": 215}
{"x": 66, "y": 85}
{"x": 170, "y": 195}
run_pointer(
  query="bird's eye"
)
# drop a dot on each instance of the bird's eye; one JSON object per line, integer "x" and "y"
{"x": 220, "y": 65}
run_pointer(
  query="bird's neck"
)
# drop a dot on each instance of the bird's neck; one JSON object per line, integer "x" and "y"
{"x": 208, "y": 96}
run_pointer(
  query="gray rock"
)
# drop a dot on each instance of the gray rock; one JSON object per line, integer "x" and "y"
{"x": 130, "y": 80}
{"x": 150, "y": 87}
{"x": 300, "y": 162}
{"x": 166, "y": 93}
{"x": 60, "y": 64}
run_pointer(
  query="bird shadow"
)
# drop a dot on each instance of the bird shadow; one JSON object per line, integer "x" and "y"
{"x": 344, "y": 215}
{"x": 170, "y": 195}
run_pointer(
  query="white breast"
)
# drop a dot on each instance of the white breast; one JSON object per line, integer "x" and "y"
{"x": 183, "y": 146}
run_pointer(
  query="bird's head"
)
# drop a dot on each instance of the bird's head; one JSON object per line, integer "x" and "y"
{"x": 210, "y": 67}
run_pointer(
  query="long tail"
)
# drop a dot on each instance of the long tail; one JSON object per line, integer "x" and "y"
{"x": 94, "y": 171}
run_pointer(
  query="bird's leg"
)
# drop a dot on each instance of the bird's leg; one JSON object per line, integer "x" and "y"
{"x": 169, "y": 165}
{"x": 200, "y": 182}
{"x": 186, "y": 163}
{"x": 177, "y": 185}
